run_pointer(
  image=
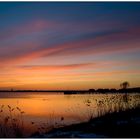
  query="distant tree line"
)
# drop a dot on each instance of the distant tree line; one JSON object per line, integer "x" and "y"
{"x": 100, "y": 90}
{"x": 113, "y": 90}
{"x": 124, "y": 89}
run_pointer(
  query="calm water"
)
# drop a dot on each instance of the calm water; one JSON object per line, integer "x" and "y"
{"x": 58, "y": 109}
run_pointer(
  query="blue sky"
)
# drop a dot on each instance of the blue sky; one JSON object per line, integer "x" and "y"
{"x": 73, "y": 45}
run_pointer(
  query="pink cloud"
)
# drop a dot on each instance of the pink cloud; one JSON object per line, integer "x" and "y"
{"x": 103, "y": 45}
{"x": 58, "y": 67}
{"x": 113, "y": 43}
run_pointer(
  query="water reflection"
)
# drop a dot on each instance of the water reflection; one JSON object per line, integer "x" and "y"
{"x": 57, "y": 110}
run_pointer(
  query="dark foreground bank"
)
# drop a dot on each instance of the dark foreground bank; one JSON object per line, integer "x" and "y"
{"x": 123, "y": 124}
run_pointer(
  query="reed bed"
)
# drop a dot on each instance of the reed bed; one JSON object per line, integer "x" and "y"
{"x": 109, "y": 104}
{"x": 12, "y": 124}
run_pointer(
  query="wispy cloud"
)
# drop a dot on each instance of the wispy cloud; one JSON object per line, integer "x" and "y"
{"x": 102, "y": 44}
{"x": 57, "y": 67}
{"x": 53, "y": 44}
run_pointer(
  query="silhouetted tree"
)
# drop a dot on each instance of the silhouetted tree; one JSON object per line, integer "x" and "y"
{"x": 124, "y": 86}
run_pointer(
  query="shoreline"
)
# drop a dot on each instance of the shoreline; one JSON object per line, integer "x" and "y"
{"x": 122, "y": 124}
{"x": 90, "y": 91}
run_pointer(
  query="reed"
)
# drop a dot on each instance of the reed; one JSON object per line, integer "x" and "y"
{"x": 12, "y": 124}
{"x": 109, "y": 104}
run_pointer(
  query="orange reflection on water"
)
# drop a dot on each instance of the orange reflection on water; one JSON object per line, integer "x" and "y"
{"x": 63, "y": 109}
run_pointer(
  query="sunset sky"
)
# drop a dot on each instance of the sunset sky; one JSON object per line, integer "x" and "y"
{"x": 69, "y": 45}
